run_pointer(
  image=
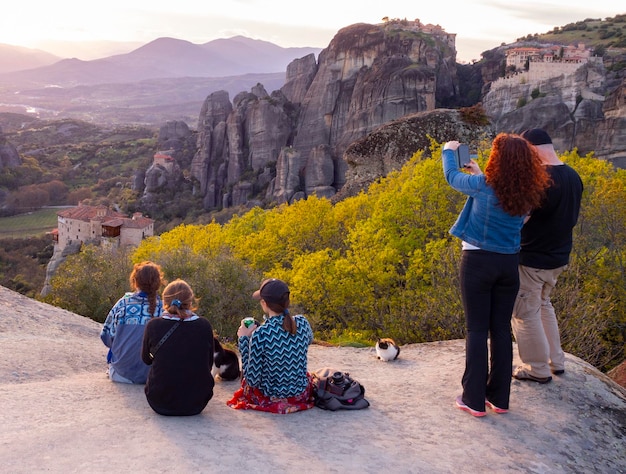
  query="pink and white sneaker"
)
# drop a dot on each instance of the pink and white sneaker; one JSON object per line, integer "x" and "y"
{"x": 464, "y": 407}
{"x": 495, "y": 408}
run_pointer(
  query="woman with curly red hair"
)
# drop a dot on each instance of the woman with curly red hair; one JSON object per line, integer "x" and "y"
{"x": 489, "y": 227}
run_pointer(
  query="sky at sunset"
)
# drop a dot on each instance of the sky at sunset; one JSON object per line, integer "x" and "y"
{"x": 478, "y": 24}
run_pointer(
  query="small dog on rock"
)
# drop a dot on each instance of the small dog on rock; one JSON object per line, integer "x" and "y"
{"x": 387, "y": 349}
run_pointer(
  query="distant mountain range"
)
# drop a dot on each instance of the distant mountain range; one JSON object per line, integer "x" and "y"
{"x": 161, "y": 58}
{"x": 17, "y": 58}
{"x": 166, "y": 79}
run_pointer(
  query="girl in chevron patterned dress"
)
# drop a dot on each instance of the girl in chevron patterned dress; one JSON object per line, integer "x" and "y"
{"x": 274, "y": 356}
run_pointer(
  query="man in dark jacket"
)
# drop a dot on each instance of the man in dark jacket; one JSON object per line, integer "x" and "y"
{"x": 545, "y": 251}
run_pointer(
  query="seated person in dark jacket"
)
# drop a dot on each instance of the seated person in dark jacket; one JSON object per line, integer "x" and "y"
{"x": 179, "y": 348}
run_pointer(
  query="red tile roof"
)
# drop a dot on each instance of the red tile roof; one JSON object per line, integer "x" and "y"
{"x": 138, "y": 223}
{"x": 89, "y": 213}
{"x": 115, "y": 222}
{"x": 105, "y": 215}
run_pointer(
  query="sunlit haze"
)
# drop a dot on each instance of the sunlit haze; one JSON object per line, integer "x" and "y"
{"x": 479, "y": 25}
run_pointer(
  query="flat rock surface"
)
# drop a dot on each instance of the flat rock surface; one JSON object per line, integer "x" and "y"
{"x": 60, "y": 413}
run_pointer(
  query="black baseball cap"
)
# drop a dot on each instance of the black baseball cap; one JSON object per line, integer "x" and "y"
{"x": 537, "y": 136}
{"x": 272, "y": 290}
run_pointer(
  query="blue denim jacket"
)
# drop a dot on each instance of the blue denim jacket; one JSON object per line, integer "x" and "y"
{"x": 482, "y": 222}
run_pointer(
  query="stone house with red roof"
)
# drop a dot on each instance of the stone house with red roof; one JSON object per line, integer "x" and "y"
{"x": 101, "y": 225}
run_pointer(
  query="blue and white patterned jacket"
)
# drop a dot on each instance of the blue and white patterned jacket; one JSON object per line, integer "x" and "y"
{"x": 123, "y": 334}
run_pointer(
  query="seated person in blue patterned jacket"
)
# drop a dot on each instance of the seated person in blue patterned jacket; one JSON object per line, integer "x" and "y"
{"x": 274, "y": 356}
{"x": 123, "y": 329}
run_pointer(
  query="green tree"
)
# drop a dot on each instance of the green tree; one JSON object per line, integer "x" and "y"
{"x": 90, "y": 282}
{"x": 272, "y": 239}
{"x": 382, "y": 262}
{"x": 222, "y": 283}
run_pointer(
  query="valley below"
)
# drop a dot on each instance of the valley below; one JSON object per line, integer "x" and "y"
{"x": 149, "y": 102}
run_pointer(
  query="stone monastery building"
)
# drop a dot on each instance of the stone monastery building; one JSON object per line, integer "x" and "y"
{"x": 100, "y": 225}
{"x": 518, "y": 57}
{"x": 543, "y": 64}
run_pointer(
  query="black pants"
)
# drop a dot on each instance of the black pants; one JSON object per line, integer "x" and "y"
{"x": 489, "y": 285}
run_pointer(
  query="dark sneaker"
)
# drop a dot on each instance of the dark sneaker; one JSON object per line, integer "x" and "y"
{"x": 521, "y": 374}
{"x": 464, "y": 407}
{"x": 495, "y": 408}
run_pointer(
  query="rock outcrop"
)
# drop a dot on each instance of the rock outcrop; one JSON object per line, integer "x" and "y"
{"x": 9, "y": 157}
{"x": 176, "y": 143}
{"x": 573, "y": 108}
{"x": 369, "y": 75}
{"x": 265, "y": 149}
{"x": 611, "y": 132}
{"x": 390, "y": 146}
{"x": 58, "y": 257}
{"x": 60, "y": 411}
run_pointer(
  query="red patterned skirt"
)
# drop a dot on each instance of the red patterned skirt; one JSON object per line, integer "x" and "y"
{"x": 252, "y": 398}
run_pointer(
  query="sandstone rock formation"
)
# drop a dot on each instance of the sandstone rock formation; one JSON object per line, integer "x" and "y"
{"x": 175, "y": 140}
{"x": 9, "y": 157}
{"x": 611, "y": 132}
{"x": 369, "y": 75}
{"x": 578, "y": 110}
{"x": 265, "y": 149}
{"x": 174, "y": 135}
{"x": 60, "y": 413}
{"x": 157, "y": 177}
{"x": 58, "y": 257}
{"x": 390, "y": 146}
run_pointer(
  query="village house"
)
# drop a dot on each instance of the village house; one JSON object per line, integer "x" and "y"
{"x": 100, "y": 225}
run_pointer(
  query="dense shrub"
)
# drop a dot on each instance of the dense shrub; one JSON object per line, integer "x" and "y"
{"x": 379, "y": 263}
{"x": 89, "y": 283}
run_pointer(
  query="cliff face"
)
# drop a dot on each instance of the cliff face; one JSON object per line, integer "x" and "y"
{"x": 236, "y": 143}
{"x": 9, "y": 157}
{"x": 577, "y": 109}
{"x": 273, "y": 148}
{"x": 369, "y": 75}
{"x": 611, "y": 132}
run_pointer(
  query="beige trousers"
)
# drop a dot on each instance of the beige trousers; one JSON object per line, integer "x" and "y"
{"x": 534, "y": 322}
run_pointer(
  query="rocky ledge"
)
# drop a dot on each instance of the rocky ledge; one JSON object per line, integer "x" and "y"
{"x": 61, "y": 414}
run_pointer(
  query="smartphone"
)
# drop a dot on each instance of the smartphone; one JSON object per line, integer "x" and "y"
{"x": 462, "y": 155}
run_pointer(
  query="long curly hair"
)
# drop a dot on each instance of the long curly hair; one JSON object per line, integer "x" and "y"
{"x": 515, "y": 173}
{"x": 147, "y": 277}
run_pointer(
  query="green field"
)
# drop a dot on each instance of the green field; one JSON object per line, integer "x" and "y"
{"x": 30, "y": 224}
